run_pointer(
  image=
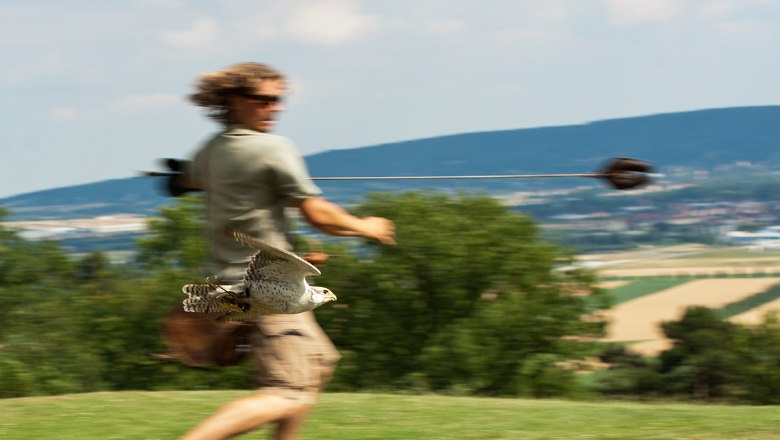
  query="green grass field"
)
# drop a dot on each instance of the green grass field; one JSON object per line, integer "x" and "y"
{"x": 165, "y": 415}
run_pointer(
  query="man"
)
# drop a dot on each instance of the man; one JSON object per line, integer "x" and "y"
{"x": 250, "y": 177}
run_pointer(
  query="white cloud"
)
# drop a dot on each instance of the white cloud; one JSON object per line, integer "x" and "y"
{"x": 163, "y": 5}
{"x": 329, "y": 22}
{"x": 718, "y": 9}
{"x": 445, "y": 27}
{"x": 505, "y": 88}
{"x": 626, "y": 12}
{"x": 201, "y": 31}
{"x": 731, "y": 19}
{"x": 753, "y": 9}
{"x": 128, "y": 104}
{"x": 750, "y": 31}
{"x": 305, "y": 89}
{"x": 532, "y": 35}
{"x": 43, "y": 67}
{"x": 136, "y": 103}
{"x": 64, "y": 114}
{"x": 262, "y": 31}
{"x": 555, "y": 11}
{"x": 316, "y": 22}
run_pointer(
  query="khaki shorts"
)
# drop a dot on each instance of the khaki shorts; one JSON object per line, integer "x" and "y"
{"x": 293, "y": 355}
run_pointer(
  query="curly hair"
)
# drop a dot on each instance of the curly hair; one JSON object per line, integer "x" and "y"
{"x": 213, "y": 89}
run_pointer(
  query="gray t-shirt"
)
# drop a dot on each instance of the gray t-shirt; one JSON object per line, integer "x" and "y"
{"x": 249, "y": 178}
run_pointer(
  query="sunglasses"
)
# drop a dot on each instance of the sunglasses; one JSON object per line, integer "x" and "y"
{"x": 263, "y": 99}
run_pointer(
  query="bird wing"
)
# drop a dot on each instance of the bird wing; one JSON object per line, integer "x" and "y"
{"x": 271, "y": 260}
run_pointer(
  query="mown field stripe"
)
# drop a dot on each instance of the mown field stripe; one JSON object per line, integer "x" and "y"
{"x": 693, "y": 274}
{"x": 640, "y": 288}
{"x": 751, "y": 302}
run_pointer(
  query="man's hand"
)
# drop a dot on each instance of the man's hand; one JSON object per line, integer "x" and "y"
{"x": 379, "y": 229}
{"x": 317, "y": 258}
{"x": 334, "y": 220}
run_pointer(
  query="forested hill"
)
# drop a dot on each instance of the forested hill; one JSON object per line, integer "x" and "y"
{"x": 700, "y": 139}
{"x": 133, "y": 195}
{"x": 704, "y": 140}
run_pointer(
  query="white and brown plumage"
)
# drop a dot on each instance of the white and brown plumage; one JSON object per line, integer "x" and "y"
{"x": 275, "y": 282}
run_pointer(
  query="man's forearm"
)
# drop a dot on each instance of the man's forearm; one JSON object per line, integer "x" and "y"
{"x": 331, "y": 218}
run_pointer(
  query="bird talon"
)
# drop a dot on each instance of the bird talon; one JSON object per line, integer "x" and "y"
{"x": 234, "y": 300}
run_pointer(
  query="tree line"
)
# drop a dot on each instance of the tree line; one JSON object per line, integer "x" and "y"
{"x": 470, "y": 302}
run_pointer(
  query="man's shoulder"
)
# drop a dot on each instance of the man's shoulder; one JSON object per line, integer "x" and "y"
{"x": 246, "y": 136}
{"x": 248, "y": 144}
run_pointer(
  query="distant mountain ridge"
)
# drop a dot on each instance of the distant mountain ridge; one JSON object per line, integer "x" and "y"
{"x": 703, "y": 139}
{"x": 133, "y": 195}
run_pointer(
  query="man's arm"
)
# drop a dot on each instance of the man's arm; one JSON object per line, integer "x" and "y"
{"x": 334, "y": 220}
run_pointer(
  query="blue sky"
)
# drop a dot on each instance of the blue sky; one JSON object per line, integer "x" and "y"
{"x": 96, "y": 90}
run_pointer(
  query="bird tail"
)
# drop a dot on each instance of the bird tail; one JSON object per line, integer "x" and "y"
{"x": 200, "y": 298}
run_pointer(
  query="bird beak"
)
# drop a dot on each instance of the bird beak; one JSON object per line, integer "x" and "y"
{"x": 330, "y": 296}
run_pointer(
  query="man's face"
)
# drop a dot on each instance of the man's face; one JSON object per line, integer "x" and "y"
{"x": 257, "y": 110}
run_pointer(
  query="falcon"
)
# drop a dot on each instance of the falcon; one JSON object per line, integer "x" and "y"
{"x": 275, "y": 282}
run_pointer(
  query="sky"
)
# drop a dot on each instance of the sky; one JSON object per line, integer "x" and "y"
{"x": 97, "y": 90}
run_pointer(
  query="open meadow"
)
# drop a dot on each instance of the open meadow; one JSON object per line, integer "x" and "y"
{"x": 165, "y": 415}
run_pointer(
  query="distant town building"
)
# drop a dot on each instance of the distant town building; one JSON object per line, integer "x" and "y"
{"x": 767, "y": 238}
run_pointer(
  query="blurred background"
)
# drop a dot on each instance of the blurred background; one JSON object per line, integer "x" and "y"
{"x": 535, "y": 288}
